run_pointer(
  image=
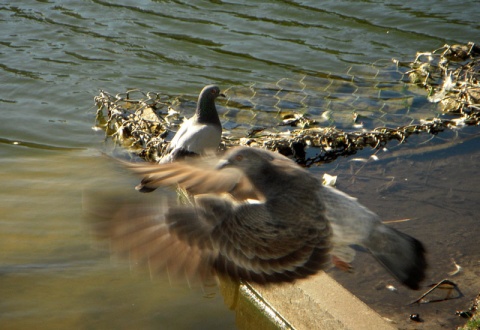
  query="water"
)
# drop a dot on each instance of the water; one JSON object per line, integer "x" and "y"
{"x": 54, "y": 58}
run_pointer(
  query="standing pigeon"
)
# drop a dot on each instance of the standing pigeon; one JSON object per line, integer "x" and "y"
{"x": 200, "y": 133}
{"x": 197, "y": 135}
{"x": 293, "y": 229}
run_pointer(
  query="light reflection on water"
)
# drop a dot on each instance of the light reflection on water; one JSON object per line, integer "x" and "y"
{"x": 56, "y": 55}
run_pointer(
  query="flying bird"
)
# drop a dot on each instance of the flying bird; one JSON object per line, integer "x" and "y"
{"x": 256, "y": 216}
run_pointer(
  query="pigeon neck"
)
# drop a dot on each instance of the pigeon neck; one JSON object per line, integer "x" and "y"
{"x": 274, "y": 183}
{"x": 207, "y": 112}
{"x": 268, "y": 181}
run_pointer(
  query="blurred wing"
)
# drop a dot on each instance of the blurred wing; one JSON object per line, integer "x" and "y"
{"x": 137, "y": 231}
{"x": 199, "y": 177}
{"x": 216, "y": 237}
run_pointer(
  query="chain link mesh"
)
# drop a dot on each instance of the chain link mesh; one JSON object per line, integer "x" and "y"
{"x": 338, "y": 115}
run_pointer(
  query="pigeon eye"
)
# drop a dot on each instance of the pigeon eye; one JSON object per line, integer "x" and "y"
{"x": 238, "y": 158}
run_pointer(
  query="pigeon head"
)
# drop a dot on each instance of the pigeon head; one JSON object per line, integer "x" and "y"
{"x": 253, "y": 162}
{"x": 210, "y": 91}
{"x": 206, "y": 110}
{"x": 268, "y": 171}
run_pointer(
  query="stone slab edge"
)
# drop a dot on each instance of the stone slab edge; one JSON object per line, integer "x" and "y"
{"x": 318, "y": 302}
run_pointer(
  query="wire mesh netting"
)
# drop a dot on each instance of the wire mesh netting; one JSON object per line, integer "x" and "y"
{"x": 315, "y": 118}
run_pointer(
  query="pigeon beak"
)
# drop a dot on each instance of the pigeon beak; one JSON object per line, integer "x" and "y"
{"x": 222, "y": 164}
{"x": 222, "y": 95}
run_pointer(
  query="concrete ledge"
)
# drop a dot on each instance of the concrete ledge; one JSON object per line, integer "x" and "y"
{"x": 315, "y": 303}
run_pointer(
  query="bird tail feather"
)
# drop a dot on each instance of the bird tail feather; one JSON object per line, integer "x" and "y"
{"x": 401, "y": 254}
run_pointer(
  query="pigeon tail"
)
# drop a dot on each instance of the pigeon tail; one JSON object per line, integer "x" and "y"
{"x": 401, "y": 254}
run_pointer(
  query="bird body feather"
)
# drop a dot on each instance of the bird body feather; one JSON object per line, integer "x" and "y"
{"x": 193, "y": 138}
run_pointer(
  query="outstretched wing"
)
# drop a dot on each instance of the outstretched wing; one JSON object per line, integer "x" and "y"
{"x": 196, "y": 177}
{"x": 215, "y": 237}
{"x": 137, "y": 230}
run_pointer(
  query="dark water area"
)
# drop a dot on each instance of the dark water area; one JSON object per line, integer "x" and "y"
{"x": 55, "y": 56}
